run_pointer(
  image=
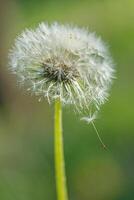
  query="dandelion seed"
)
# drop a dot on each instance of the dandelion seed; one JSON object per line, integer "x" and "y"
{"x": 90, "y": 119}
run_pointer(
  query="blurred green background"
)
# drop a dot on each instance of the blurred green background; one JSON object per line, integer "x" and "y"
{"x": 26, "y": 126}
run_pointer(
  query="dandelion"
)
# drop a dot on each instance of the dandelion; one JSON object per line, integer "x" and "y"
{"x": 66, "y": 65}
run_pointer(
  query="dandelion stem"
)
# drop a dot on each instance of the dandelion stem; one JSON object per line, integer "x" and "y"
{"x": 59, "y": 154}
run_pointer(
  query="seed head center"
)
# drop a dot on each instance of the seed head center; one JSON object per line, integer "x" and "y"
{"x": 59, "y": 72}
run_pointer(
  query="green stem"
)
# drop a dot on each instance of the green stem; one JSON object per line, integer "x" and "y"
{"x": 59, "y": 154}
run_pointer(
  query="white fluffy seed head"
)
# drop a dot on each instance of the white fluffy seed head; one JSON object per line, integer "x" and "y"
{"x": 62, "y": 61}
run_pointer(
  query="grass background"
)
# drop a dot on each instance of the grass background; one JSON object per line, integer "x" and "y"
{"x": 26, "y": 126}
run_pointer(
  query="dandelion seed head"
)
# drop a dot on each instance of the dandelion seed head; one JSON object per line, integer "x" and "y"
{"x": 62, "y": 61}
